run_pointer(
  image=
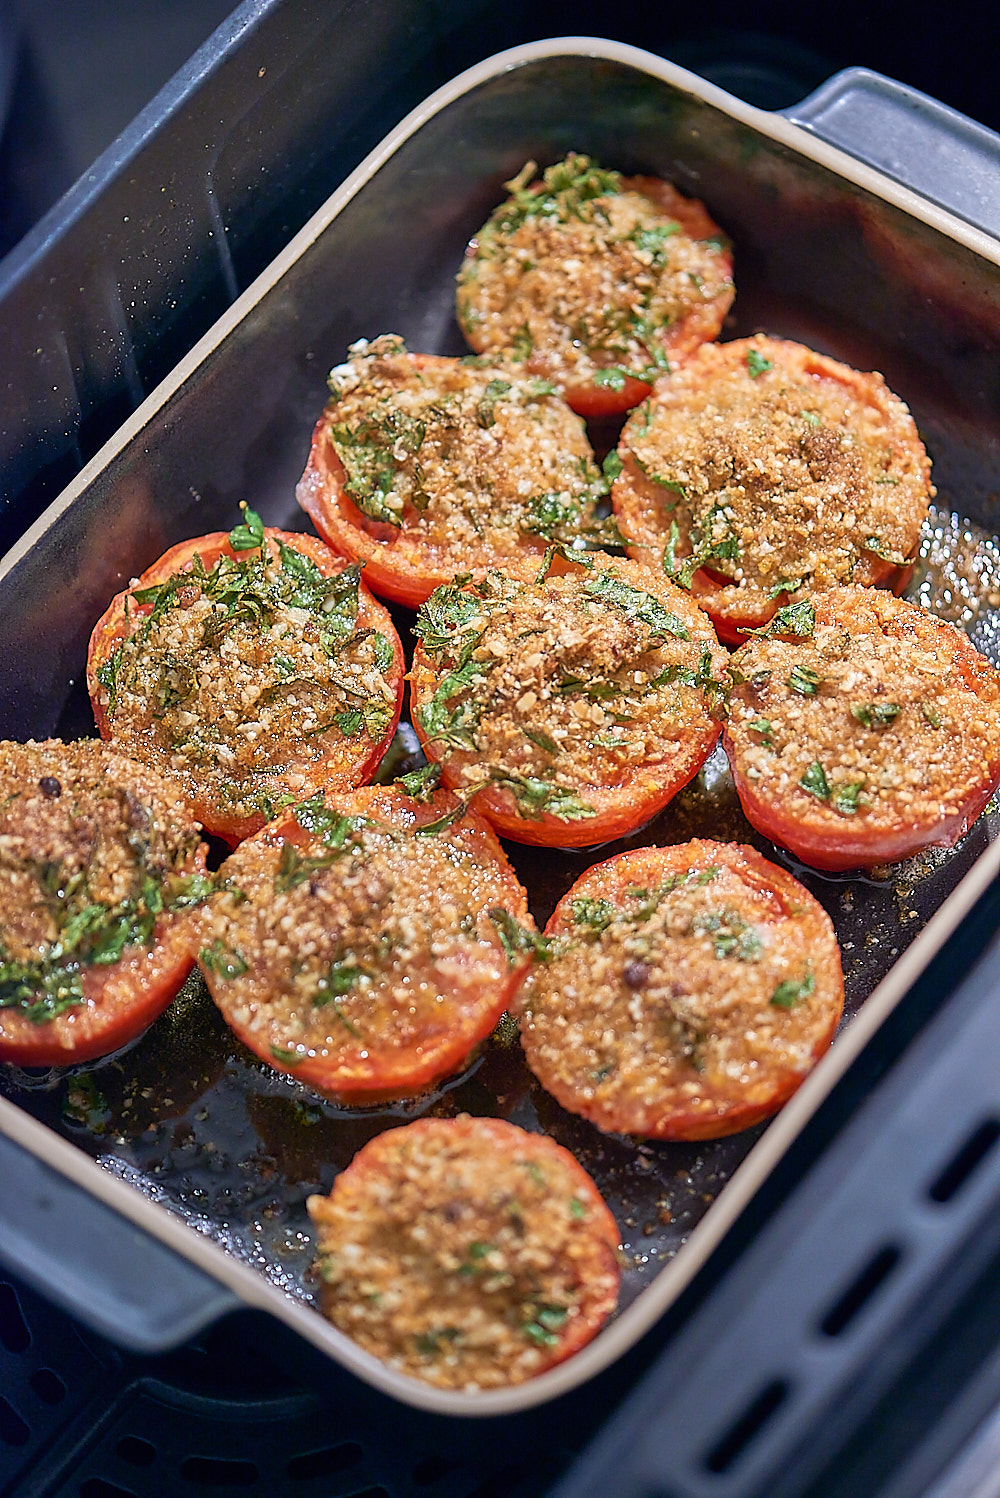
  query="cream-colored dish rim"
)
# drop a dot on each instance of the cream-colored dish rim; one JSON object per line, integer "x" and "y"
{"x": 251, "y": 1287}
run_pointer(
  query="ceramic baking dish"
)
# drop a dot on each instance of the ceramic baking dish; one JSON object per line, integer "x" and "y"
{"x": 179, "y": 1168}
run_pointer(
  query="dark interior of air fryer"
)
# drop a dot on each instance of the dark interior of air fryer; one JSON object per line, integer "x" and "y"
{"x": 188, "y": 1116}
{"x": 185, "y": 1114}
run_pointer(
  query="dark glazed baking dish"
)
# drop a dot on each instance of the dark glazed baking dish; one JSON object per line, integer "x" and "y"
{"x": 184, "y": 1130}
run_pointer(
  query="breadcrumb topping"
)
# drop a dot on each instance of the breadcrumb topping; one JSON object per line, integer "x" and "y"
{"x": 882, "y": 718}
{"x": 582, "y": 272}
{"x": 775, "y": 469}
{"x": 96, "y": 851}
{"x": 683, "y": 984}
{"x": 556, "y": 688}
{"x": 351, "y": 946}
{"x": 466, "y": 1252}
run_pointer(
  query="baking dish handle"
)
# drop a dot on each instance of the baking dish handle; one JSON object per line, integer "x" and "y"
{"x": 916, "y": 140}
{"x": 111, "y": 1275}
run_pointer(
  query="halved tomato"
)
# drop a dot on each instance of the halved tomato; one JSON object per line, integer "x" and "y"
{"x": 488, "y": 1253}
{"x": 102, "y": 864}
{"x": 422, "y": 467}
{"x": 687, "y": 992}
{"x": 571, "y": 708}
{"x": 871, "y": 733}
{"x": 762, "y": 471}
{"x": 253, "y": 667}
{"x": 367, "y": 942}
{"x": 596, "y": 281}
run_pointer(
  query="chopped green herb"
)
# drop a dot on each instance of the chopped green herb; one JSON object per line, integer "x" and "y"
{"x": 876, "y": 714}
{"x": 222, "y": 960}
{"x": 536, "y": 797}
{"x": 636, "y": 604}
{"x": 815, "y": 782}
{"x": 789, "y": 993}
{"x": 804, "y": 680}
{"x": 847, "y": 797}
{"x": 422, "y": 783}
{"x": 611, "y": 378}
{"x": 930, "y": 714}
{"x": 522, "y": 344}
{"x": 712, "y": 540}
{"x": 485, "y": 409}
{"x": 597, "y": 915}
{"x": 881, "y": 549}
{"x": 249, "y": 535}
{"x": 541, "y": 740}
{"x": 294, "y": 868}
{"x": 757, "y": 364}
{"x": 797, "y": 619}
{"x": 517, "y": 940}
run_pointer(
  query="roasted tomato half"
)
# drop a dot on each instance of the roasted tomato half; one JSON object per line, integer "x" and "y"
{"x": 595, "y": 281}
{"x": 488, "y": 1253}
{"x": 422, "y": 467}
{"x": 864, "y": 731}
{"x": 572, "y": 708}
{"x": 686, "y": 994}
{"x": 367, "y": 942}
{"x": 101, "y": 864}
{"x": 762, "y": 471}
{"x": 253, "y": 668}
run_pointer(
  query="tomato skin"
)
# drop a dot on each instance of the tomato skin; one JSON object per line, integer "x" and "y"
{"x": 806, "y": 826}
{"x": 374, "y": 1071}
{"x": 746, "y": 411}
{"x": 342, "y": 763}
{"x": 622, "y": 802}
{"x": 77, "y": 782}
{"x": 692, "y": 1109}
{"x": 477, "y": 1152}
{"x": 697, "y": 324}
{"x": 122, "y": 1001}
{"x": 401, "y": 564}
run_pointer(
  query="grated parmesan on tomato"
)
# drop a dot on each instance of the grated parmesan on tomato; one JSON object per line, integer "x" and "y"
{"x": 466, "y": 1252}
{"x": 762, "y": 471}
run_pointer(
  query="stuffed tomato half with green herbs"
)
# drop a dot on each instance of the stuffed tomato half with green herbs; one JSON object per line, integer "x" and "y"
{"x": 862, "y": 729}
{"x": 423, "y": 466}
{"x": 253, "y": 667}
{"x": 596, "y": 281}
{"x": 367, "y": 941}
{"x": 571, "y": 708}
{"x": 101, "y": 864}
{"x": 686, "y": 992}
{"x": 762, "y": 471}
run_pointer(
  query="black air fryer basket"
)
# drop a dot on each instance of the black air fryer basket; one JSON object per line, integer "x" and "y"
{"x": 792, "y": 1320}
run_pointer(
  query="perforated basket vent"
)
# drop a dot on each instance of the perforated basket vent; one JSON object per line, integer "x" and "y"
{"x": 78, "y": 1420}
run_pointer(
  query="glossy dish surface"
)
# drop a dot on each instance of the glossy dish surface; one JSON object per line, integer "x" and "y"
{"x": 188, "y": 1116}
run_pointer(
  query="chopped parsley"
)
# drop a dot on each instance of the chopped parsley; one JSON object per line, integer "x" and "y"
{"x": 847, "y": 797}
{"x": 757, "y": 364}
{"x": 713, "y": 540}
{"x": 804, "y": 680}
{"x": 250, "y": 535}
{"x": 636, "y": 604}
{"x": 815, "y": 782}
{"x": 876, "y": 714}
{"x": 792, "y": 992}
{"x": 222, "y": 960}
{"x": 797, "y": 619}
{"x": 518, "y": 941}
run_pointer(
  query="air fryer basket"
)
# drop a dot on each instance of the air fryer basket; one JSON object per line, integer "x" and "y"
{"x": 187, "y": 1130}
